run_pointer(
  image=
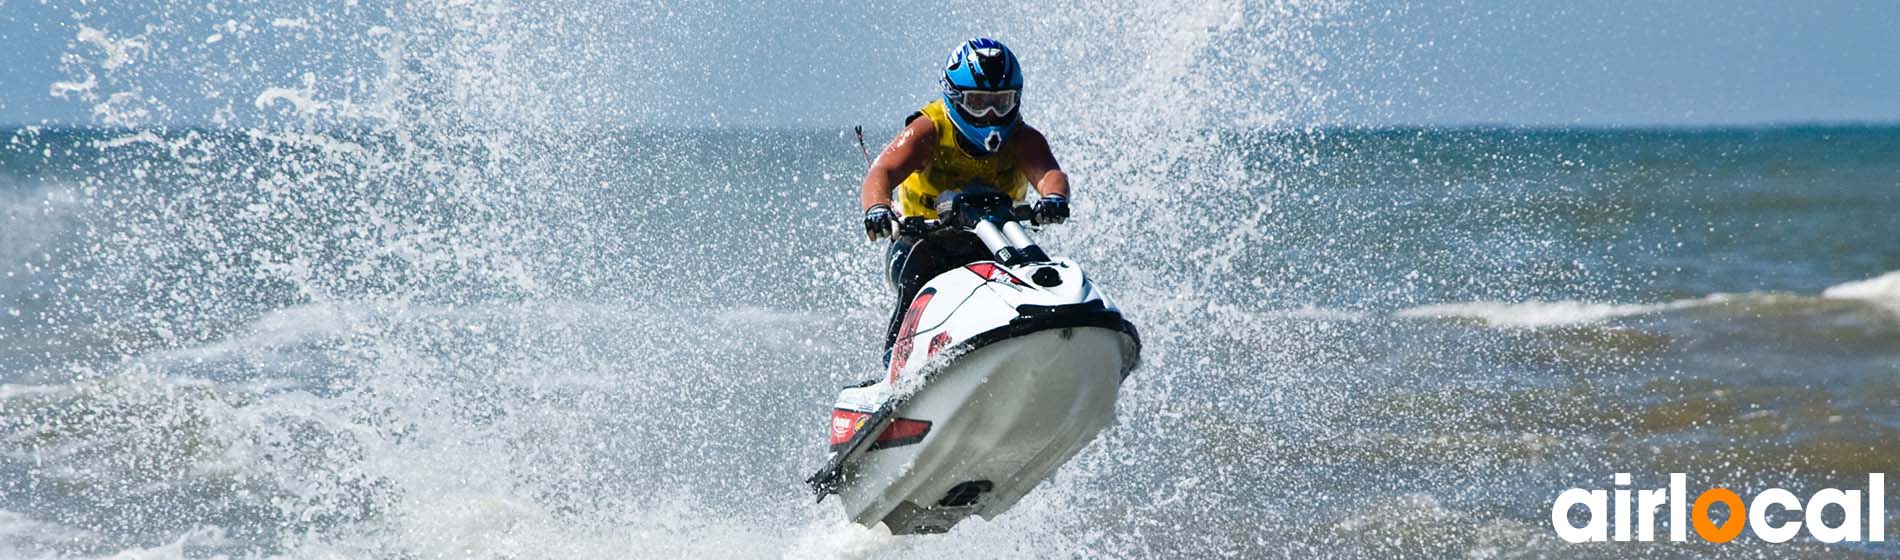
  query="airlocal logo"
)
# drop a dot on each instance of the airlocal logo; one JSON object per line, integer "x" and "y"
{"x": 1755, "y": 514}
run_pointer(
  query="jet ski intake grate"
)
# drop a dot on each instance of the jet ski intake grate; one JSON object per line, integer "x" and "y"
{"x": 965, "y": 494}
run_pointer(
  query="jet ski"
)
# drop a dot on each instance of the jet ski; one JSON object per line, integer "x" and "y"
{"x": 1001, "y": 371}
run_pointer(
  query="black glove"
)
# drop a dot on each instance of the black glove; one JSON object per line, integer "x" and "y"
{"x": 1052, "y": 209}
{"x": 878, "y": 220}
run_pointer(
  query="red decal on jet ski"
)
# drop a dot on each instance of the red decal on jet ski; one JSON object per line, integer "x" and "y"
{"x": 903, "y": 431}
{"x": 901, "y": 351}
{"x": 844, "y": 423}
{"x": 937, "y": 343}
{"x": 994, "y": 273}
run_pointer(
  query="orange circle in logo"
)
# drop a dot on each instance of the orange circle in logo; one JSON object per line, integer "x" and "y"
{"x": 1737, "y": 515}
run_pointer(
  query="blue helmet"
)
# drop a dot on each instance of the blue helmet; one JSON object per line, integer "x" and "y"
{"x": 982, "y": 88}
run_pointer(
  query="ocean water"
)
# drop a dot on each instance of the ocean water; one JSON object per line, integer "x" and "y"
{"x": 1407, "y": 341}
{"x": 424, "y": 312}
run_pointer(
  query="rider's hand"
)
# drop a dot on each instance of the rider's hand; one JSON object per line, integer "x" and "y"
{"x": 878, "y": 221}
{"x": 1052, "y": 209}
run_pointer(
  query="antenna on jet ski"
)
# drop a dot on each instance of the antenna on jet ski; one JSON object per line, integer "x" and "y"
{"x": 859, "y": 129}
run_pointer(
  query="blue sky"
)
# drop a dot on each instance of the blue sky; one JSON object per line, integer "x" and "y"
{"x": 827, "y": 63}
{"x": 1617, "y": 61}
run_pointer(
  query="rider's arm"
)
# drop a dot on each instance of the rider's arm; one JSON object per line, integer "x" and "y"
{"x": 905, "y": 155}
{"x": 1038, "y": 165}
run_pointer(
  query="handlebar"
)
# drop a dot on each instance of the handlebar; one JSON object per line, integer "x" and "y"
{"x": 991, "y": 216}
{"x": 1023, "y": 213}
{"x": 1000, "y": 231}
{"x": 915, "y": 225}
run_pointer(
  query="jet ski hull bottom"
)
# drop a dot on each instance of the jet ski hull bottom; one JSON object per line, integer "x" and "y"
{"x": 1000, "y": 418}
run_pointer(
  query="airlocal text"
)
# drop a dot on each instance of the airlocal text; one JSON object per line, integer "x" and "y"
{"x": 1870, "y": 513}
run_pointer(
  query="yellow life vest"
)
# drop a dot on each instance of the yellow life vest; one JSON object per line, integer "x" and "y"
{"x": 951, "y": 168}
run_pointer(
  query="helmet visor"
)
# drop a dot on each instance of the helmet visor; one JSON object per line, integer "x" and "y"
{"x": 982, "y": 104}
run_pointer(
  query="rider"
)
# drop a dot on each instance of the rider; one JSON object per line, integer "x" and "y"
{"x": 974, "y": 136}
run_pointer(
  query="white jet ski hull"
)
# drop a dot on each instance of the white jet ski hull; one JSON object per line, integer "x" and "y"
{"x": 1000, "y": 371}
{"x": 1001, "y": 418}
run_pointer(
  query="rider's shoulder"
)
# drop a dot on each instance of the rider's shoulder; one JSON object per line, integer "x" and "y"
{"x": 918, "y": 132}
{"x": 917, "y": 123}
{"x": 1028, "y": 138}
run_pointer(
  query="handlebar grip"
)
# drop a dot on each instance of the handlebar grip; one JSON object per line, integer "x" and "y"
{"x": 914, "y": 226}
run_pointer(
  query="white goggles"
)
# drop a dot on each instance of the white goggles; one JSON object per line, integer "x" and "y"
{"x": 986, "y": 103}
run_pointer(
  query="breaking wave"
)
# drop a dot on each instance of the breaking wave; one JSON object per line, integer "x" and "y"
{"x": 1881, "y": 292}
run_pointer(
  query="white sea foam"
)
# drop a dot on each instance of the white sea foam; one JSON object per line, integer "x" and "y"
{"x": 1529, "y": 314}
{"x": 841, "y": 540}
{"x": 1883, "y": 290}
{"x": 1883, "y": 287}
{"x": 1532, "y": 314}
